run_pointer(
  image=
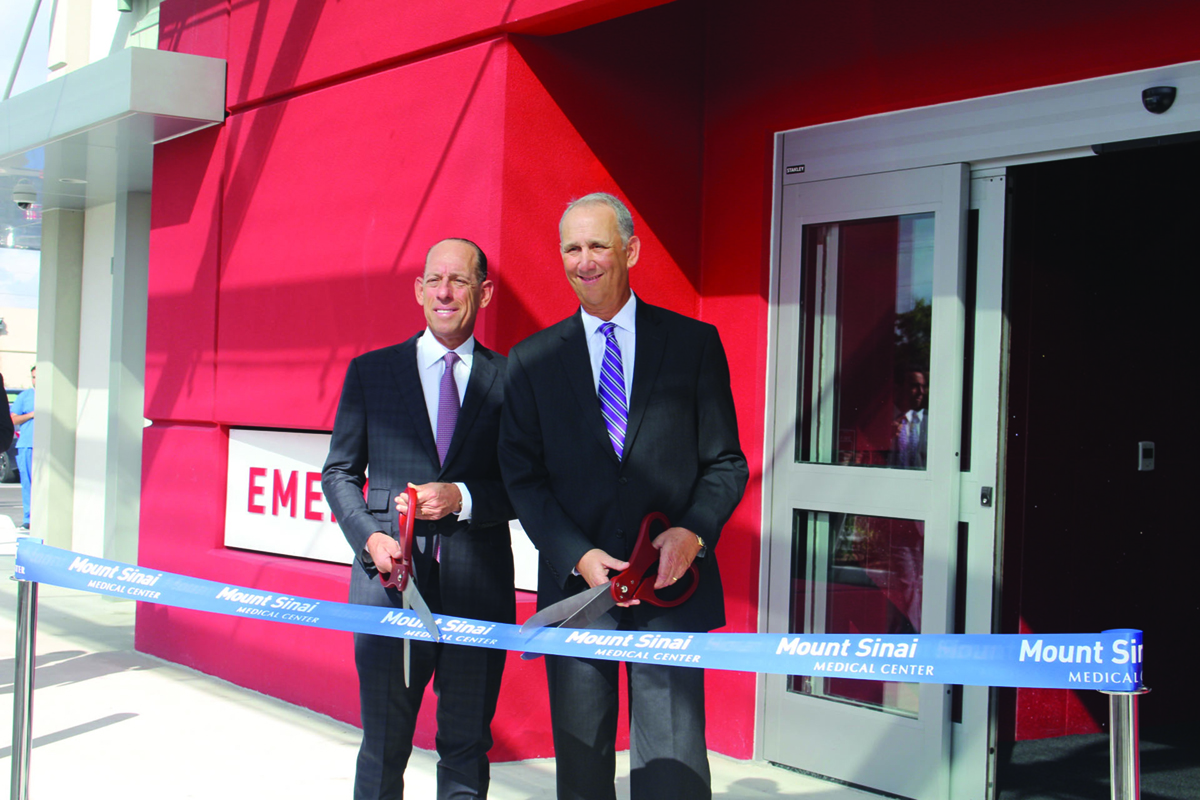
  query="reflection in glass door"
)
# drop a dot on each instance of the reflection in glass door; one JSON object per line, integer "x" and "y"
{"x": 856, "y": 574}
{"x": 866, "y": 377}
{"x": 864, "y": 479}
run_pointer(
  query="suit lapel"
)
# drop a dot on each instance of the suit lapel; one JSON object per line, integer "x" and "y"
{"x": 651, "y": 343}
{"x": 483, "y": 375}
{"x": 408, "y": 381}
{"x": 577, "y": 372}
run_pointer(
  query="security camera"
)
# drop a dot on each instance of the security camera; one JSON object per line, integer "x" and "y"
{"x": 1157, "y": 99}
{"x": 24, "y": 195}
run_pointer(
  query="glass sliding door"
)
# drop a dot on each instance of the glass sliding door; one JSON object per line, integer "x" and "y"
{"x": 865, "y": 475}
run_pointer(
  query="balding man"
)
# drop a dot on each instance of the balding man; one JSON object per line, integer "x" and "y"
{"x": 622, "y": 409}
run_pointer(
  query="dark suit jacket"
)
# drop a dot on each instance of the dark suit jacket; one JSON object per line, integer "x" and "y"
{"x": 382, "y": 424}
{"x": 6, "y": 424}
{"x": 682, "y": 455}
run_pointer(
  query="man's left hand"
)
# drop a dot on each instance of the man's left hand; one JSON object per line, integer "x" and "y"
{"x": 677, "y": 549}
{"x": 434, "y": 500}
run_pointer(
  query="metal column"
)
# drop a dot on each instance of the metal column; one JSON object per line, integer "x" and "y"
{"x": 1123, "y": 741}
{"x": 27, "y": 593}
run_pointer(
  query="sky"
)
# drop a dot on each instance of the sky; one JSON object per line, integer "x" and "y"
{"x": 19, "y": 278}
{"x": 14, "y": 16}
{"x": 19, "y": 268}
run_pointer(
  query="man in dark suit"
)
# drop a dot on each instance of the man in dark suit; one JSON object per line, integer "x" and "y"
{"x": 395, "y": 417}
{"x": 583, "y": 465}
{"x": 910, "y": 426}
{"x": 6, "y": 424}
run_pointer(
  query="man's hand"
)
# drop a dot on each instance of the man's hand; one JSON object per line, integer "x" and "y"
{"x": 434, "y": 500}
{"x": 677, "y": 549}
{"x": 384, "y": 551}
{"x": 595, "y": 564}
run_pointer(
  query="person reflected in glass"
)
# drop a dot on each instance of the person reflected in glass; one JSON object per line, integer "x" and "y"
{"x": 910, "y": 427}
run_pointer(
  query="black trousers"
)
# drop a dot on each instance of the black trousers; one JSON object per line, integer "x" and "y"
{"x": 667, "y": 750}
{"x": 466, "y": 681}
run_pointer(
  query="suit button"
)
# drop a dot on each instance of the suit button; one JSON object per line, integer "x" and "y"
{"x": 621, "y": 532}
{"x": 433, "y": 526}
{"x": 622, "y": 481}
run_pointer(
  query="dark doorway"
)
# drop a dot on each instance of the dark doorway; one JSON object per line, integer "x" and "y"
{"x": 1103, "y": 333}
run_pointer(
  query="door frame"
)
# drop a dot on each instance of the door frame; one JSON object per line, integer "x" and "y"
{"x": 1068, "y": 120}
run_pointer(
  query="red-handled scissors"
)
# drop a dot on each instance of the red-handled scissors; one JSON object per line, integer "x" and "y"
{"x": 636, "y": 582}
{"x": 404, "y": 579}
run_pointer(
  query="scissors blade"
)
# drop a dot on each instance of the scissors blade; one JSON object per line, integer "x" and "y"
{"x": 589, "y": 613}
{"x": 566, "y": 609}
{"x": 413, "y": 600}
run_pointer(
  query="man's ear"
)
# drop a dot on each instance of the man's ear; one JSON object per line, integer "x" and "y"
{"x": 632, "y": 250}
{"x": 485, "y": 293}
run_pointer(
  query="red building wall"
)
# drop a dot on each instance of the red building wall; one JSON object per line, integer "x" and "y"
{"x": 284, "y": 242}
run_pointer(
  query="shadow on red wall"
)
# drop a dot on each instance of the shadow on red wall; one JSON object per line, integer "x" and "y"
{"x": 639, "y": 109}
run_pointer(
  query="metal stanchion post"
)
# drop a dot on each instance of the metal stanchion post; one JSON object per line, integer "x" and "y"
{"x": 1123, "y": 741}
{"x": 27, "y": 592}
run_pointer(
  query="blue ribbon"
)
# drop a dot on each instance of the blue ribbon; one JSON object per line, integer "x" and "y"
{"x": 1109, "y": 661}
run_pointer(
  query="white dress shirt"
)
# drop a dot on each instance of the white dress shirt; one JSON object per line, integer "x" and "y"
{"x": 431, "y": 367}
{"x": 625, "y": 327}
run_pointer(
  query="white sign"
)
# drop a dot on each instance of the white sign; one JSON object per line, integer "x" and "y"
{"x": 273, "y": 498}
{"x": 274, "y": 502}
{"x": 525, "y": 558}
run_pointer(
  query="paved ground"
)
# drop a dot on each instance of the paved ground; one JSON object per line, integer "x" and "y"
{"x": 10, "y": 503}
{"x": 112, "y": 723}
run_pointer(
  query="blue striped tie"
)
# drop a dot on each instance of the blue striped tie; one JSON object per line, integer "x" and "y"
{"x": 612, "y": 390}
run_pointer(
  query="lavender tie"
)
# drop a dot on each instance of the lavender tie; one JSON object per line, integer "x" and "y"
{"x": 612, "y": 390}
{"x": 447, "y": 407}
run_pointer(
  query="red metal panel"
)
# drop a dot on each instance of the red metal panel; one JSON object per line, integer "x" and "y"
{"x": 182, "y": 281}
{"x": 199, "y": 27}
{"x": 277, "y": 47}
{"x": 332, "y": 200}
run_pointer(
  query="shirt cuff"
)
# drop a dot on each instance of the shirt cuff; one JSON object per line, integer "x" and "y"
{"x": 465, "y": 514}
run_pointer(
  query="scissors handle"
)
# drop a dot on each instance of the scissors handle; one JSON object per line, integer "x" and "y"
{"x": 398, "y": 577}
{"x": 636, "y": 581}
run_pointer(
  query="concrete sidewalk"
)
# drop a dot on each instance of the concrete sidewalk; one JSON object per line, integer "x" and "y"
{"x": 109, "y": 722}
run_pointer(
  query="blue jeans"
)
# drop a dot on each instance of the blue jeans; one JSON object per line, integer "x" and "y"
{"x": 25, "y": 465}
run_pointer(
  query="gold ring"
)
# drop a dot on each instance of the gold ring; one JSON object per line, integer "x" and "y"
{"x": 674, "y": 579}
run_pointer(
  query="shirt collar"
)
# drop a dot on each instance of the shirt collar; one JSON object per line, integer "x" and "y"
{"x": 430, "y": 350}
{"x": 624, "y": 319}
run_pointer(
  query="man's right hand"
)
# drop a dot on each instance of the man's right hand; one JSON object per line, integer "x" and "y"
{"x": 595, "y": 564}
{"x": 434, "y": 500}
{"x": 384, "y": 551}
